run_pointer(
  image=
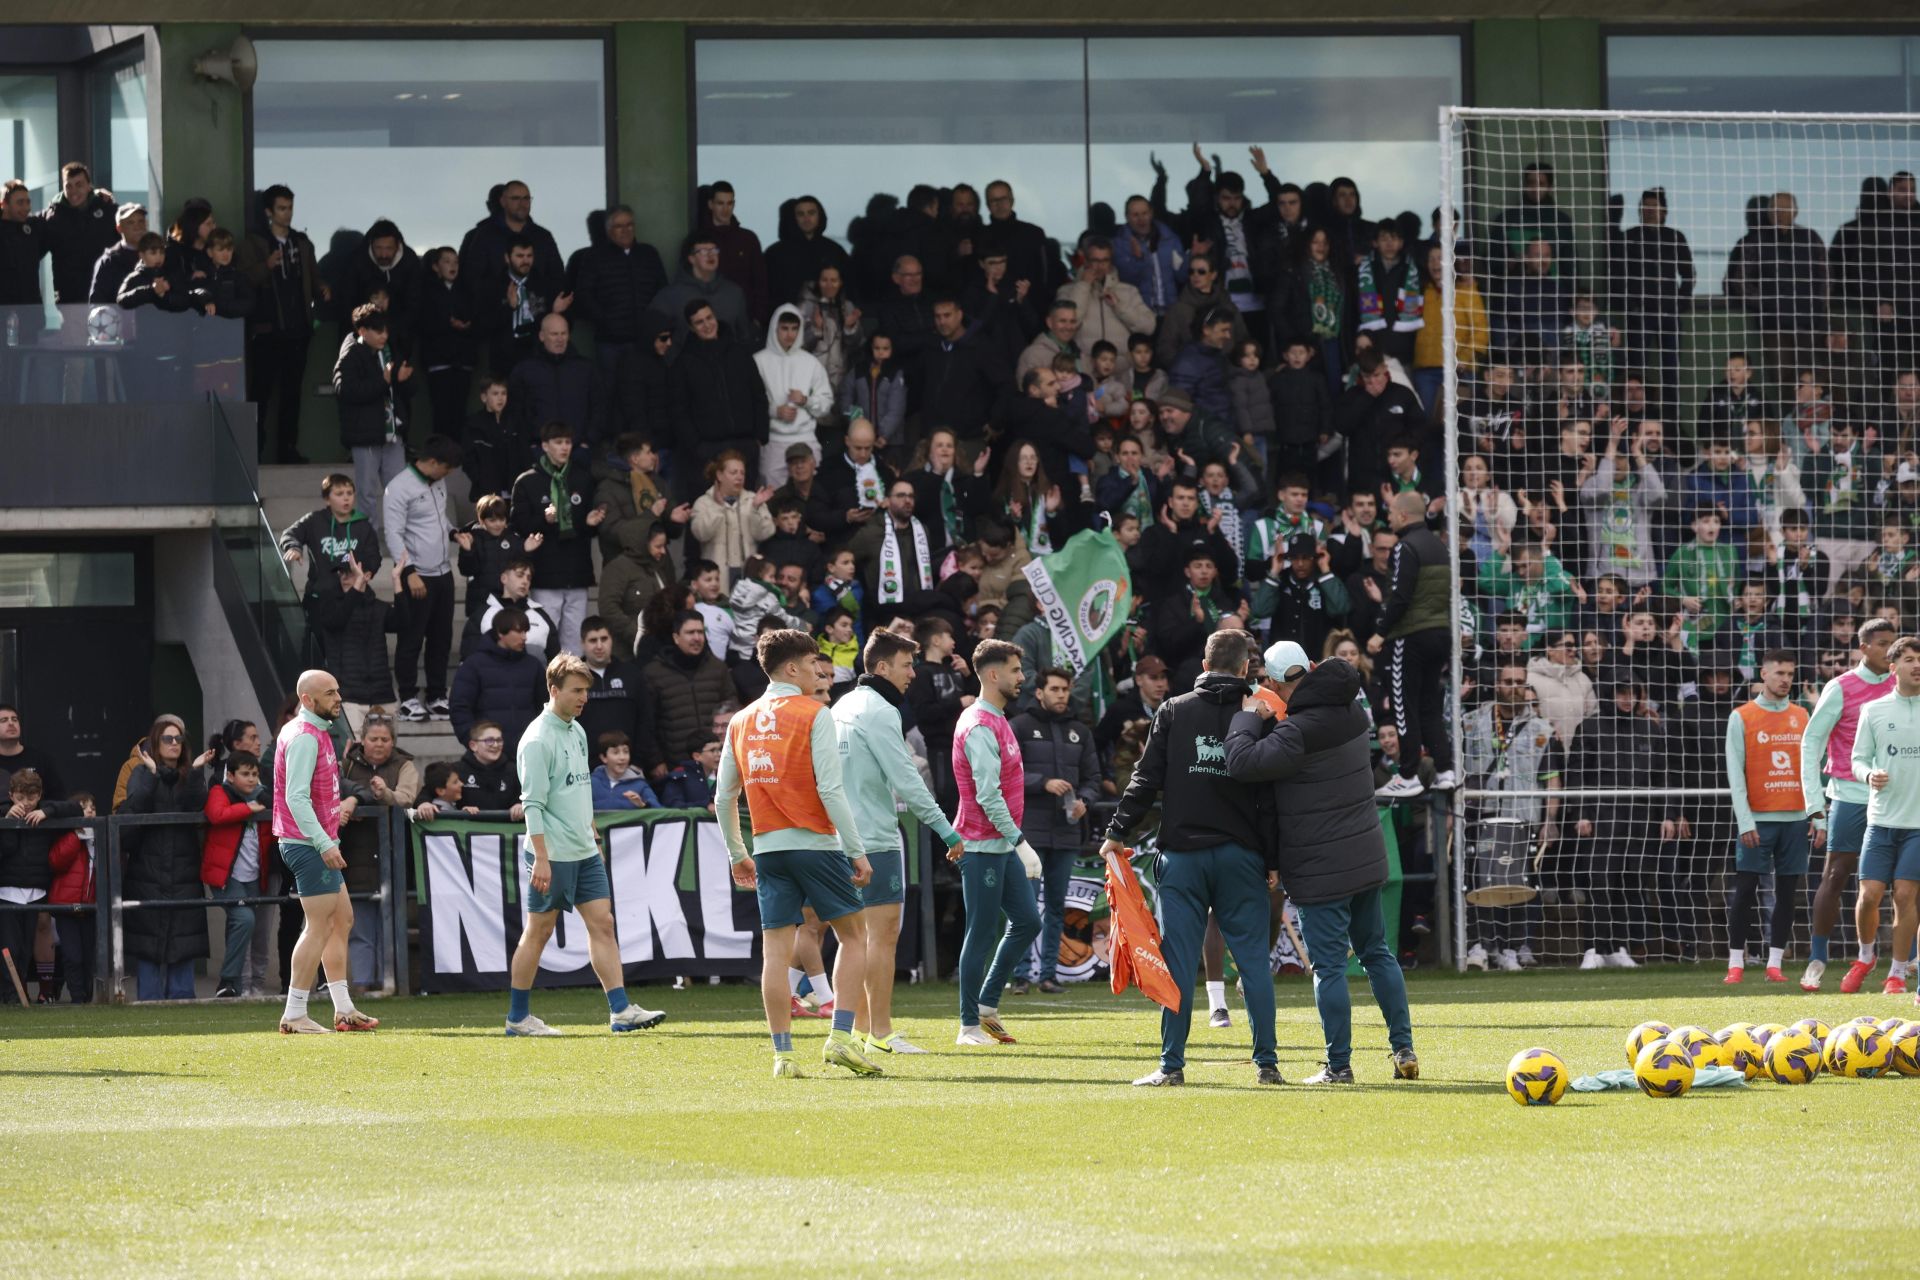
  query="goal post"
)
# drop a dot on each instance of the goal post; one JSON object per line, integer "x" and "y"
{"x": 1649, "y": 319}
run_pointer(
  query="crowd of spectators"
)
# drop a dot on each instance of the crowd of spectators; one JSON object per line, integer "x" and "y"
{"x": 664, "y": 456}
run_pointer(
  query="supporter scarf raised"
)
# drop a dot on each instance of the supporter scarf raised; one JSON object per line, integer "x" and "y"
{"x": 557, "y": 494}
{"x": 893, "y": 586}
{"x": 1207, "y": 606}
{"x": 1138, "y": 503}
{"x": 1618, "y": 544}
{"x": 1230, "y": 527}
{"x": 1328, "y": 298}
{"x": 1841, "y": 483}
{"x": 1409, "y": 298}
{"x": 1034, "y": 524}
{"x": 950, "y": 510}
{"x": 866, "y": 482}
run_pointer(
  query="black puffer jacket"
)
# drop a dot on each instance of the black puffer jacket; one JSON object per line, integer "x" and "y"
{"x": 1317, "y": 759}
{"x": 1185, "y": 764}
{"x": 76, "y": 237}
{"x": 24, "y": 863}
{"x": 685, "y": 690}
{"x": 613, "y": 286}
{"x": 353, "y": 627}
{"x": 716, "y": 401}
{"x": 164, "y": 862}
{"x": 489, "y": 788}
{"x": 1055, "y": 746}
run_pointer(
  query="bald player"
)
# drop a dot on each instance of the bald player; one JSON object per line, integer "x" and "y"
{"x": 306, "y": 825}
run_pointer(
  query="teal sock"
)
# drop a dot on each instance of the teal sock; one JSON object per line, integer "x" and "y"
{"x": 617, "y": 1000}
{"x": 783, "y": 1042}
{"x": 517, "y": 1000}
{"x": 842, "y": 1019}
{"x": 1817, "y": 948}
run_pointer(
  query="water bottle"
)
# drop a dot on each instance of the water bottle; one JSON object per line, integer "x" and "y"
{"x": 13, "y": 328}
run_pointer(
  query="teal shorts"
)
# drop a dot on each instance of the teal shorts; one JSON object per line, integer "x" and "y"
{"x": 1846, "y": 827}
{"x": 889, "y": 883}
{"x": 582, "y": 880}
{"x": 1890, "y": 854}
{"x": 1784, "y": 849}
{"x": 312, "y": 878}
{"x": 794, "y": 878}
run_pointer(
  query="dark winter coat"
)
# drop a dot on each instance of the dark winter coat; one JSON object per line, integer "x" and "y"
{"x": 563, "y": 559}
{"x": 1201, "y": 372}
{"x": 716, "y": 401}
{"x": 440, "y": 345}
{"x": 1302, "y": 405}
{"x": 613, "y": 286}
{"x": 75, "y": 240}
{"x": 164, "y": 862}
{"x": 353, "y": 627}
{"x": 1370, "y": 423}
{"x": 110, "y": 270}
{"x": 639, "y": 398}
{"x": 492, "y": 453}
{"x": 619, "y": 701}
{"x": 1330, "y": 845}
{"x": 547, "y": 388}
{"x": 490, "y": 788}
{"x": 24, "y": 850}
{"x": 1055, "y": 747}
{"x": 501, "y": 685}
{"x": 794, "y": 262}
{"x": 685, "y": 692}
{"x": 1184, "y": 766}
{"x": 956, "y": 385}
{"x": 483, "y": 261}
{"x": 362, "y": 393}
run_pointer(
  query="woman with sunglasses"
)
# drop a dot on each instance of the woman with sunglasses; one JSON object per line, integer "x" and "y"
{"x": 163, "y": 862}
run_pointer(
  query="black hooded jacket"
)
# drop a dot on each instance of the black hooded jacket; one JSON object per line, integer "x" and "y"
{"x": 1185, "y": 765}
{"x": 1322, "y": 776}
{"x": 794, "y": 262}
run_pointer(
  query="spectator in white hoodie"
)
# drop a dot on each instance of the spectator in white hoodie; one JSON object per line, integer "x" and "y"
{"x": 799, "y": 394}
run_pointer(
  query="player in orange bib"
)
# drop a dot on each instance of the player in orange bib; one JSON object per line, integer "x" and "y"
{"x": 1770, "y": 808}
{"x": 783, "y": 754}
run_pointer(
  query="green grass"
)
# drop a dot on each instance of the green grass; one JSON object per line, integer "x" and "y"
{"x": 195, "y": 1141}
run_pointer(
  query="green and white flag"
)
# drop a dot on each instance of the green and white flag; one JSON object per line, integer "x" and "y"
{"x": 1083, "y": 593}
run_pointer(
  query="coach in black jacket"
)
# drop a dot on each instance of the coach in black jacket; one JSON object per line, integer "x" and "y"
{"x": 1211, "y": 837}
{"x": 1333, "y": 859}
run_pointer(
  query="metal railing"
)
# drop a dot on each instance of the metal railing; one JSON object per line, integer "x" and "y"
{"x": 109, "y": 907}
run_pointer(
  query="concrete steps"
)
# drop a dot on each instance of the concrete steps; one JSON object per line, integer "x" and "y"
{"x": 286, "y": 494}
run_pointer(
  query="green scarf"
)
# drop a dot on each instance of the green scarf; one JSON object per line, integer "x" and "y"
{"x": 557, "y": 494}
{"x": 1328, "y": 298}
{"x": 1138, "y": 503}
{"x": 1207, "y": 606}
{"x": 950, "y": 511}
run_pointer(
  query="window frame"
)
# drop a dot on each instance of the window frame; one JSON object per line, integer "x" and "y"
{"x": 609, "y": 105}
{"x": 1461, "y": 31}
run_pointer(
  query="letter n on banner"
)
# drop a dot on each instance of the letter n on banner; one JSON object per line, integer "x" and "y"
{"x": 465, "y": 913}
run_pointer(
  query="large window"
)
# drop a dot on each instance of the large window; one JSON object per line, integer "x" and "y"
{"x": 420, "y": 130}
{"x": 1822, "y": 168}
{"x": 1066, "y": 121}
{"x": 119, "y": 118}
{"x": 30, "y": 134}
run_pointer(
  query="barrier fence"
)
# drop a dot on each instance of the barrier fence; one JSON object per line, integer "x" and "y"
{"x": 462, "y": 880}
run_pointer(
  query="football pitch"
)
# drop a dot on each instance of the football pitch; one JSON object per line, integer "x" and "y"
{"x": 194, "y": 1141}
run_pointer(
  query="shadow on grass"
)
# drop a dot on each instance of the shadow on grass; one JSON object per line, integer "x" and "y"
{"x": 108, "y": 1073}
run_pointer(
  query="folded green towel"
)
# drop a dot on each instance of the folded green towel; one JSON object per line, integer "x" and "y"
{"x": 1621, "y": 1078}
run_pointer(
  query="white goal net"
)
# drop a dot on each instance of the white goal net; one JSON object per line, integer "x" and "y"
{"x": 1682, "y": 408}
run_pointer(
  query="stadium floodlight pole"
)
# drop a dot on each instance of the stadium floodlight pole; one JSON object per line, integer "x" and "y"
{"x": 1453, "y": 903}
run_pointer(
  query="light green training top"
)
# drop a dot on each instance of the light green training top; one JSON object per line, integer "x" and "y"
{"x": 1813, "y": 744}
{"x": 303, "y": 755}
{"x": 877, "y": 768}
{"x": 826, "y": 780}
{"x": 1743, "y": 813}
{"x": 556, "y": 786}
{"x": 1889, "y": 738}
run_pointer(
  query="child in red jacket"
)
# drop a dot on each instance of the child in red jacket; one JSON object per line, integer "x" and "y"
{"x": 233, "y": 857}
{"x": 72, "y": 861}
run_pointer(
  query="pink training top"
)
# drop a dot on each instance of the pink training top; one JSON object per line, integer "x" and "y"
{"x": 971, "y": 822}
{"x": 324, "y": 787}
{"x": 1855, "y": 694}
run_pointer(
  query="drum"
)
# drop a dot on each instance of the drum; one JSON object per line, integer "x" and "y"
{"x": 1502, "y": 858}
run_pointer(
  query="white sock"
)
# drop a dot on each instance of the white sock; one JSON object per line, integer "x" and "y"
{"x": 1216, "y": 995}
{"x": 794, "y": 977}
{"x": 822, "y": 989}
{"x": 296, "y": 1004}
{"x": 342, "y": 1002}
{"x": 1736, "y": 959}
{"x": 1867, "y": 953}
{"x": 1776, "y": 956}
{"x": 989, "y": 1010}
